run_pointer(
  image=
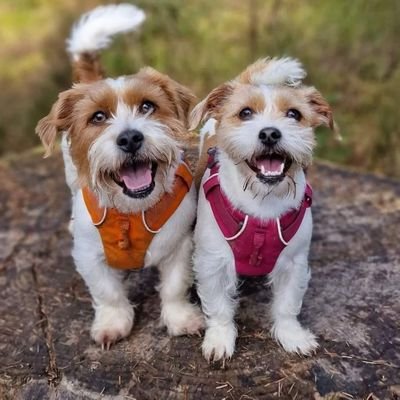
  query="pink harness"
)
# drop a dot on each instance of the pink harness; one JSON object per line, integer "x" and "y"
{"x": 256, "y": 244}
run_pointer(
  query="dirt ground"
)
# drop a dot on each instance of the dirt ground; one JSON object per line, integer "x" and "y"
{"x": 352, "y": 305}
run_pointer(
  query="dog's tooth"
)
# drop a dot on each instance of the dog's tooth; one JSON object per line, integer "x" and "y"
{"x": 262, "y": 169}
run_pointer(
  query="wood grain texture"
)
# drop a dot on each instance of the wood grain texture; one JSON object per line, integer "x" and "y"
{"x": 352, "y": 305}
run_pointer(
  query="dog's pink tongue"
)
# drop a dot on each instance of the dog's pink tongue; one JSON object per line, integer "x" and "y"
{"x": 270, "y": 164}
{"x": 136, "y": 177}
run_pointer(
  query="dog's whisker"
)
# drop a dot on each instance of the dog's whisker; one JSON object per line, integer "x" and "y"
{"x": 246, "y": 183}
{"x": 294, "y": 186}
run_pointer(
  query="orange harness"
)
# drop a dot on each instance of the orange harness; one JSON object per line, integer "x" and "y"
{"x": 126, "y": 237}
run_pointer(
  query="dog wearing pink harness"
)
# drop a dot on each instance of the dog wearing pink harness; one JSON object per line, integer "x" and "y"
{"x": 256, "y": 244}
{"x": 254, "y": 214}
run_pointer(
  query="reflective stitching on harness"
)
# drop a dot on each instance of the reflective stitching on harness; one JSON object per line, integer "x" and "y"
{"x": 246, "y": 219}
{"x": 187, "y": 166}
{"x": 209, "y": 178}
{"x": 278, "y": 223}
{"x": 102, "y": 218}
{"x": 146, "y": 226}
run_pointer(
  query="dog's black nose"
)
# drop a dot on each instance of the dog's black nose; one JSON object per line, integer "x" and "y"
{"x": 130, "y": 140}
{"x": 270, "y": 136}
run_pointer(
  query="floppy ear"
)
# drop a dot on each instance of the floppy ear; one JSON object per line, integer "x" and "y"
{"x": 59, "y": 119}
{"x": 322, "y": 110}
{"x": 184, "y": 100}
{"x": 209, "y": 107}
{"x": 323, "y": 114}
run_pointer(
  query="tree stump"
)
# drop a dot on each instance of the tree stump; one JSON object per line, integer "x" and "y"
{"x": 352, "y": 305}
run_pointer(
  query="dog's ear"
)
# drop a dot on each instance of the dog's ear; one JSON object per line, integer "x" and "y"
{"x": 322, "y": 111}
{"x": 185, "y": 99}
{"x": 180, "y": 96}
{"x": 59, "y": 119}
{"x": 210, "y": 106}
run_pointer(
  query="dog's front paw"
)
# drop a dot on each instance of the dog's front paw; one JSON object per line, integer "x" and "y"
{"x": 111, "y": 324}
{"x": 293, "y": 337}
{"x": 219, "y": 342}
{"x": 182, "y": 318}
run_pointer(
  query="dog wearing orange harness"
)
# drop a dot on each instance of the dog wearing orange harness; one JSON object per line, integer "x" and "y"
{"x": 254, "y": 215}
{"x": 133, "y": 198}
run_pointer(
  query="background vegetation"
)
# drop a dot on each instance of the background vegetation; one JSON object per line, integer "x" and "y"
{"x": 349, "y": 47}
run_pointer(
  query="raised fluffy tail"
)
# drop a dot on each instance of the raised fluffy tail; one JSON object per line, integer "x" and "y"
{"x": 94, "y": 31}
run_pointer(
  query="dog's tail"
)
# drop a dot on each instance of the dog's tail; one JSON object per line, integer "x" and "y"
{"x": 93, "y": 32}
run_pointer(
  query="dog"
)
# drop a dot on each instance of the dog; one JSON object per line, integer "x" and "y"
{"x": 254, "y": 216}
{"x": 133, "y": 198}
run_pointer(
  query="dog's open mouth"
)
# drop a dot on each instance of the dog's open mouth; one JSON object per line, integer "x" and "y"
{"x": 270, "y": 168}
{"x": 137, "y": 178}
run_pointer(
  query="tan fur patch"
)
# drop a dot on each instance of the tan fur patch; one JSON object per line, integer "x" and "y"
{"x": 87, "y": 68}
{"x": 180, "y": 97}
{"x": 256, "y": 68}
{"x": 243, "y": 96}
{"x": 211, "y": 105}
{"x": 322, "y": 110}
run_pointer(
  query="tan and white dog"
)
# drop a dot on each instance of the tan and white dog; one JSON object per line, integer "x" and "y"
{"x": 262, "y": 126}
{"x": 123, "y": 141}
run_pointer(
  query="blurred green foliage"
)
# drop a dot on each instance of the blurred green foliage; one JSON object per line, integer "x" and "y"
{"x": 350, "y": 49}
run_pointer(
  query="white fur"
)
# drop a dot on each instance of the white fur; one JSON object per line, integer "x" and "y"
{"x": 207, "y": 130}
{"x": 214, "y": 263}
{"x": 95, "y": 29}
{"x": 170, "y": 250}
{"x": 279, "y": 71}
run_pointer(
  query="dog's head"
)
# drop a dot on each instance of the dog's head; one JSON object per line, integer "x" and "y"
{"x": 125, "y": 135}
{"x": 264, "y": 123}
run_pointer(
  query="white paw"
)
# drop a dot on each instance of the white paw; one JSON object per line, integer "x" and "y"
{"x": 182, "y": 318}
{"x": 111, "y": 324}
{"x": 219, "y": 342}
{"x": 293, "y": 338}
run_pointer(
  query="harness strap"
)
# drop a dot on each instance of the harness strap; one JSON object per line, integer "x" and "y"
{"x": 230, "y": 226}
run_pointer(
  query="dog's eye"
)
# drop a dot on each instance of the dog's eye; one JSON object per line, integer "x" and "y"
{"x": 98, "y": 117}
{"x": 293, "y": 113}
{"x": 147, "y": 107}
{"x": 246, "y": 114}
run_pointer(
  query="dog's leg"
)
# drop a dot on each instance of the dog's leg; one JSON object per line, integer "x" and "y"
{"x": 216, "y": 285}
{"x": 177, "y": 313}
{"x": 113, "y": 312}
{"x": 289, "y": 285}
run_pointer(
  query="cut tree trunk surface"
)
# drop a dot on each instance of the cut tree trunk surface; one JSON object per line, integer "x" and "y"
{"x": 352, "y": 305}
